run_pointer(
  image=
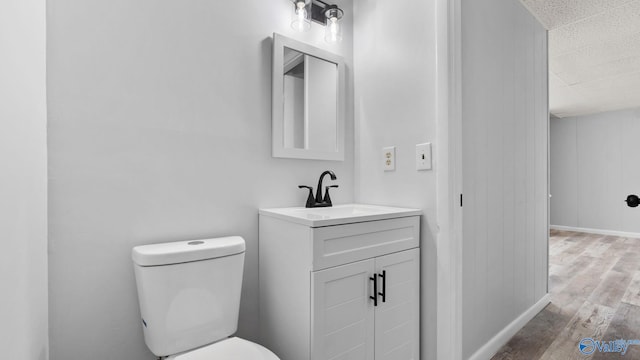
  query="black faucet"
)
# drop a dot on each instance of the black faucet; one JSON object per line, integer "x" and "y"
{"x": 319, "y": 200}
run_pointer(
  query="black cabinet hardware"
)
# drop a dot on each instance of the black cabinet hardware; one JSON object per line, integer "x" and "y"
{"x": 375, "y": 289}
{"x": 384, "y": 285}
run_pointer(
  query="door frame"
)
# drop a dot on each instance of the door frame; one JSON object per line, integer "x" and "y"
{"x": 449, "y": 179}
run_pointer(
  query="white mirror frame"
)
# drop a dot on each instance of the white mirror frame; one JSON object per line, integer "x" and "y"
{"x": 277, "y": 104}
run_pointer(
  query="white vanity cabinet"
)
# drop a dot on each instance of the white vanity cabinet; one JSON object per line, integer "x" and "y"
{"x": 345, "y": 322}
{"x": 318, "y": 280}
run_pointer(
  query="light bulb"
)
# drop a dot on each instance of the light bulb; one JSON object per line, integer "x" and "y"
{"x": 302, "y": 16}
{"x": 333, "y": 29}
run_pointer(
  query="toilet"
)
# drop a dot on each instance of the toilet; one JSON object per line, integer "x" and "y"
{"x": 189, "y": 296}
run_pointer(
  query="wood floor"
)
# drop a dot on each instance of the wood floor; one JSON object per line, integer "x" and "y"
{"x": 594, "y": 282}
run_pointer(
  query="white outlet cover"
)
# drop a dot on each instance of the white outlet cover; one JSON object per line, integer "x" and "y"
{"x": 389, "y": 158}
{"x": 423, "y": 156}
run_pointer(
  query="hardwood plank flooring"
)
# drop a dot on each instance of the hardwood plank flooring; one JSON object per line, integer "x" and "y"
{"x": 594, "y": 283}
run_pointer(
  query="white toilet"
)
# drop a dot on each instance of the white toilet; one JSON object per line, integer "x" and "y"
{"x": 189, "y": 294}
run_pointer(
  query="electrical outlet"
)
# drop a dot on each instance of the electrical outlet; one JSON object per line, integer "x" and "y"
{"x": 423, "y": 156}
{"x": 389, "y": 158}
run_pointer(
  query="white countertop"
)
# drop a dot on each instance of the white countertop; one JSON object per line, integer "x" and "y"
{"x": 338, "y": 214}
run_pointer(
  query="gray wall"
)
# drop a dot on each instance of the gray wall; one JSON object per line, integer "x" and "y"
{"x": 23, "y": 181}
{"x": 395, "y": 100}
{"x": 505, "y": 137}
{"x": 595, "y": 164}
{"x": 160, "y": 130}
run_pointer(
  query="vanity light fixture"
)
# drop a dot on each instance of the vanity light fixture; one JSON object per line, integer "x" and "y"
{"x": 328, "y": 15}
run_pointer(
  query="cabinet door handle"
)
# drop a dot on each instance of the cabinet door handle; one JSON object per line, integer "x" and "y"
{"x": 375, "y": 289}
{"x": 384, "y": 285}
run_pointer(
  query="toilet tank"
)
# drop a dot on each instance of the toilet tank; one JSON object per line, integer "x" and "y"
{"x": 189, "y": 292}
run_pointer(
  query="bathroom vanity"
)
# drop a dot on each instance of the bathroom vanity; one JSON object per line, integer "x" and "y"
{"x": 340, "y": 282}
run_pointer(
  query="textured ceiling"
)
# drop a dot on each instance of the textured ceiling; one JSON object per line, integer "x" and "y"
{"x": 594, "y": 54}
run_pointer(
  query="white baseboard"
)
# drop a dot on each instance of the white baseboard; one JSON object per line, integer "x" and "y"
{"x": 492, "y": 346}
{"x": 595, "y": 231}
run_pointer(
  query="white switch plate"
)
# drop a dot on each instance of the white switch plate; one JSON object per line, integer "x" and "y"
{"x": 389, "y": 158}
{"x": 423, "y": 156}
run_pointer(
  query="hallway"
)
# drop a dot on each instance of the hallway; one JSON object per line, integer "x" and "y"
{"x": 594, "y": 282}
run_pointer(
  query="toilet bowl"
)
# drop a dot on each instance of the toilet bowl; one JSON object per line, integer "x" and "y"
{"x": 231, "y": 348}
{"x": 189, "y": 297}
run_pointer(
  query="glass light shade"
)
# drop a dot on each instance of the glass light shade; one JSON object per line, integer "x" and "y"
{"x": 301, "y": 17}
{"x": 333, "y": 28}
{"x": 333, "y": 31}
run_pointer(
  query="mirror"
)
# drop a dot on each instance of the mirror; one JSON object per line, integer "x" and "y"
{"x": 308, "y": 101}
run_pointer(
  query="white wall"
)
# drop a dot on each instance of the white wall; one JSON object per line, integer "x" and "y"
{"x": 563, "y": 172}
{"x": 505, "y": 127}
{"x": 594, "y": 166}
{"x": 23, "y": 181}
{"x": 395, "y": 99}
{"x": 160, "y": 130}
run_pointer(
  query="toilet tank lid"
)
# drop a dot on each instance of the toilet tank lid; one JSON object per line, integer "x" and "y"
{"x": 187, "y": 251}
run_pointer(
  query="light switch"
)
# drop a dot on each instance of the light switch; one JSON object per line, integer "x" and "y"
{"x": 389, "y": 158}
{"x": 423, "y": 156}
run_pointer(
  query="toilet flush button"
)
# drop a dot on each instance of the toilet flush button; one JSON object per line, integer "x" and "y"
{"x": 198, "y": 242}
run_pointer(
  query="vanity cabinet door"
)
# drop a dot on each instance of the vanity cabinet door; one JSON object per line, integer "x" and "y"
{"x": 397, "y": 319}
{"x": 342, "y": 319}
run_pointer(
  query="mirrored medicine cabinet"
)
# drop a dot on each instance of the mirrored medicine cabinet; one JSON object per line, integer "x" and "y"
{"x": 308, "y": 101}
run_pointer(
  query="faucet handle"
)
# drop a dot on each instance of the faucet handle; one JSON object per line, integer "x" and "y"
{"x": 327, "y": 198}
{"x": 310, "y": 199}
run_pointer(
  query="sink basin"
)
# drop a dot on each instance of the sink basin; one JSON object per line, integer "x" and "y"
{"x": 338, "y": 214}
